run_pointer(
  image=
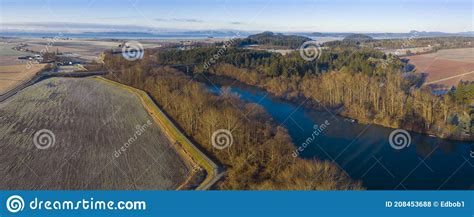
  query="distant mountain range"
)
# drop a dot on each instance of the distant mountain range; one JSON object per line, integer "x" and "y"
{"x": 128, "y": 35}
{"x": 412, "y": 33}
{"x": 83, "y": 30}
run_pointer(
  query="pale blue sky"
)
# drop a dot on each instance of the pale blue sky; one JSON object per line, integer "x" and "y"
{"x": 251, "y": 15}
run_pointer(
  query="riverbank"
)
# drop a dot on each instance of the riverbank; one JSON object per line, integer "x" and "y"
{"x": 362, "y": 150}
{"x": 338, "y": 110}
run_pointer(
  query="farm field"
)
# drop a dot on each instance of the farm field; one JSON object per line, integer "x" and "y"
{"x": 102, "y": 138}
{"x": 9, "y": 56}
{"x": 12, "y": 70}
{"x": 85, "y": 49}
{"x": 461, "y": 54}
{"x": 446, "y": 67}
{"x": 11, "y": 76}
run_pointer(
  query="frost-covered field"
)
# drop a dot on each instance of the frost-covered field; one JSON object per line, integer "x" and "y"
{"x": 95, "y": 136}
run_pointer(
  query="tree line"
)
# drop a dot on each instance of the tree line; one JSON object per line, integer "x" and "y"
{"x": 369, "y": 85}
{"x": 436, "y": 43}
{"x": 270, "y": 39}
{"x": 260, "y": 157}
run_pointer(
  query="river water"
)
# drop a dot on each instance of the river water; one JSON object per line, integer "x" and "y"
{"x": 364, "y": 151}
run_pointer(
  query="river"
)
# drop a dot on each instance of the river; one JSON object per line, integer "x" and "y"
{"x": 364, "y": 150}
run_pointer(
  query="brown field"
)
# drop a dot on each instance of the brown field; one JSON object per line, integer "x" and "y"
{"x": 8, "y": 56}
{"x": 91, "y": 121}
{"x": 461, "y": 54}
{"x": 446, "y": 67}
{"x": 11, "y": 76}
{"x": 85, "y": 49}
{"x": 271, "y": 49}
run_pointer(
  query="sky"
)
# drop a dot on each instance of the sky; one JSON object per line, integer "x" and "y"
{"x": 246, "y": 15}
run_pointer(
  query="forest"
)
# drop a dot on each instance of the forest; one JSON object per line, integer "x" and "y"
{"x": 359, "y": 82}
{"x": 274, "y": 39}
{"x": 261, "y": 155}
{"x": 435, "y": 42}
{"x": 367, "y": 84}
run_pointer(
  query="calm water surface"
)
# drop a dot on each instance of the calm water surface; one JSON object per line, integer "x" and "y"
{"x": 364, "y": 151}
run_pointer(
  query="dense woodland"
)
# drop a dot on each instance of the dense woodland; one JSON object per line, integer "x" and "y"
{"x": 364, "y": 60}
{"x": 274, "y": 39}
{"x": 370, "y": 85}
{"x": 436, "y": 43}
{"x": 261, "y": 155}
{"x": 388, "y": 100}
{"x": 269, "y": 39}
{"x": 409, "y": 42}
{"x": 357, "y": 38}
{"x": 360, "y": 81}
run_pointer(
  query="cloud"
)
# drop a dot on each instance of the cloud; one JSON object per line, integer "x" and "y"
{"x": 117, "y": 17}
{"x": 182, "y": 20}
{"x": 189, "y": 20}
{"x": 236, "y": 23}
{"x": 72, "y": 27}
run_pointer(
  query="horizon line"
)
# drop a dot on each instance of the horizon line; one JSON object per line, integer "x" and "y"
{"x": 103, "y": 27}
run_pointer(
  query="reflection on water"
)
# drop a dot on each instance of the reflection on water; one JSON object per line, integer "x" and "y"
{"x": 364, "y": 152}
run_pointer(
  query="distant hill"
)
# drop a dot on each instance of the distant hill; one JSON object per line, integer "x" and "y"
{"x": 327, "y": 34}
{"x": 438, "y": 34}
{"x": 275, "y": 39}
{"x": 217, "y": 33}
{"x": 357, "y": 38}
{"x": 412, "y": 33}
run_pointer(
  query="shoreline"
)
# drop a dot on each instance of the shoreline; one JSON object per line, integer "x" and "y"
{"x": 313, "y": 106}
